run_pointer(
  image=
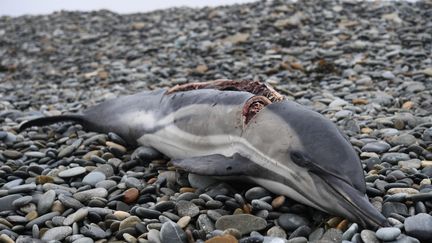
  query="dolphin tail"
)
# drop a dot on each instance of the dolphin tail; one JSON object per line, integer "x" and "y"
{"x": 44, "y": 121}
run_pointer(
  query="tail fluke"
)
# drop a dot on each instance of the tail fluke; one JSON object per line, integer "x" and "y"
{"x": 43, "y": 121}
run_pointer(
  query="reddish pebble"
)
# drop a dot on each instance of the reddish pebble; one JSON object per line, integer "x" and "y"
{"x": 222, "y": 239}
{"x": 130, "y": 195}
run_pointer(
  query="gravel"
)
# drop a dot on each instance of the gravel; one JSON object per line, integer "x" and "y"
{"x": 365, "y": 65}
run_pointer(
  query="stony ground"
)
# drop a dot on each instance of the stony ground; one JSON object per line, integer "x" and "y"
{"x": 367, "y": 66}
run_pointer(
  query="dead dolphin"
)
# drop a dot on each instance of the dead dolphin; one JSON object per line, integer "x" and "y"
{"x": 242, "y": 129}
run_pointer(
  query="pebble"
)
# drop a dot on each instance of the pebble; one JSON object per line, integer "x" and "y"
{"x": 349, "y": 233}
{"x": 79, "y": 215}
{"x": 6, "y": 202}
{"x": 84, "y": 196}
{"x": 290, "y": 222}
{"x": 394, "y": 158}
{"x": 6, "y": 238}
{"x": 76, "y": 171}
{"x": 222, "y": 239}
{"x": 57, "y": 233}
{"x": 93, "y": 178}
{"x": 419, "y": 226}
{"x": 41, "y": 219}
{"x": 376, "y": 147}
{"x": 184, "y": 221}
{"x": 171, "y": 232}
{"x": 256, "y": 193}
{"x": 245, "y": 223}
{"x": 187, "y": 208}
{"x": 388, "y": 233}
{"x": 368, "y": 236}
{"x": 154, "y": 236}
{"x": 46, "y": 201}
{"x": 130, "y": 195}
{"x": 22, "y": 201}
{"x": 332, "y": 235}
{"x": 276, "y": 231}
{"x": 129, "y": 222}
{"x": 205, "y": 223}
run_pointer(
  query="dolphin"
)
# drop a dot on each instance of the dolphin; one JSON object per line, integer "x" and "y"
{"x": 244, "y": 130}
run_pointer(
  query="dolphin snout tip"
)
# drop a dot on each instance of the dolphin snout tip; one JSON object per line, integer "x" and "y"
{"x": 355, "y": 205}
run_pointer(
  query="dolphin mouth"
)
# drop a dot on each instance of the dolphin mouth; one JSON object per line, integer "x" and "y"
{"x": 355, "y": 205}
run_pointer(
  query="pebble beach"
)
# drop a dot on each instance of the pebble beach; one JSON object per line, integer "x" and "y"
{"x": 367, "y": 66}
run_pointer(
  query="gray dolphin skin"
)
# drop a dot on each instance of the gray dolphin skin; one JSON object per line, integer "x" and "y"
{"x": 232, "y": 130}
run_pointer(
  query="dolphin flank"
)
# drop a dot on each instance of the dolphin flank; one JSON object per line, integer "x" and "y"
{"x": 241, "y": 129}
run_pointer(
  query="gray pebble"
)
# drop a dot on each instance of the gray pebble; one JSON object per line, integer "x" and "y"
{"x": 186, "y": 208}
{"x": 75, "y": 171}
{"x": 93, "y": 178}
{"x": 419, "y": 226}
{"x": 171, "y": 232}
{"x": 57, "y": 233}
{"x": 245, "y": 223}
{"x": 388, "y": 233}
{"x": 46, "y": 201}
{"x": 290, "y": 222}
{"x": 6, "y": 202}
{"x": 76, "y": 217}
{"x": 84, "y": 196}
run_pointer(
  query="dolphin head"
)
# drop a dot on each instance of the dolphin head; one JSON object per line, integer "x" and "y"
{"x": 312, "y": 162}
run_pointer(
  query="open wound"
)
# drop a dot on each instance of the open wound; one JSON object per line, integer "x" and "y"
{"x": 254, "y": 87}
{"x": 253, "y": 106}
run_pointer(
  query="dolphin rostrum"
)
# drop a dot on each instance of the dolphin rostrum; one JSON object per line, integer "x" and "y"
{"x": 243, "y": 129}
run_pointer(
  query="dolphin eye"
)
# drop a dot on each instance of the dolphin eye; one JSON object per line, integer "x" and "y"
{"x": 298, "y": 158}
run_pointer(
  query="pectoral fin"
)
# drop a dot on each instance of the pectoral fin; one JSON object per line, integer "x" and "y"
{"x": 217, "y": 165}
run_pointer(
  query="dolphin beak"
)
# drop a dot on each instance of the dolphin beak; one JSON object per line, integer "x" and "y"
{"x": 355, "y": 205}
